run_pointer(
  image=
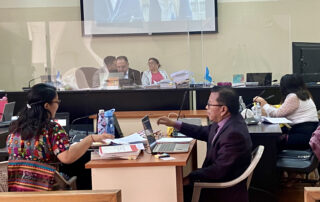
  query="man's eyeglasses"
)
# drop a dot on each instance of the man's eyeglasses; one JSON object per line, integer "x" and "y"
{"x": 56, "y": 101}
{"x": 214, "y": 105}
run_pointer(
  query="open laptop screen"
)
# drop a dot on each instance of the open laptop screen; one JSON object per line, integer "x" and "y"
{"x": 263, "y": 79}
{"x": 148, "y": 130}
{"x": 63, "y": 119}
{"x": 8, "y": 111}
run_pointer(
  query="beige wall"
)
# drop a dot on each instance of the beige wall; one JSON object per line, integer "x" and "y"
{"x": 254, "y": 36}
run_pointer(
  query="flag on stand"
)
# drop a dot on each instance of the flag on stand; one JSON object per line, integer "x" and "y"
{"x": 207, "y": 75}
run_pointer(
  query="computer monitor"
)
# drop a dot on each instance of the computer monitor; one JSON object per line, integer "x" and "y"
{"x": 306, "y": 60}
{"x": 8, "y": 111}
{"x": 63, "y": 118}
{"x": 263, "y": 79}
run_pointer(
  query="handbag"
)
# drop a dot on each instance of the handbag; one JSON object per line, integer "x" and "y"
{"x": 315, "y": 142}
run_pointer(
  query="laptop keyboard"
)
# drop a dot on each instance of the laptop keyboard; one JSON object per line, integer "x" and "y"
{"x": 166, "y": 147}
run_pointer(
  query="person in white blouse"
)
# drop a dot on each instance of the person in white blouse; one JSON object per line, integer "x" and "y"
{"x": 154, "y": 74}
{"x": 297, "y": 106}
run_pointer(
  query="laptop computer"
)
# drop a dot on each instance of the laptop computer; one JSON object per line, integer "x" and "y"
{"x": 63, "y": 118}
{"x": 263, "y": 79}
{"x": 7, "y": 114}
{"x": 161, "y": 147}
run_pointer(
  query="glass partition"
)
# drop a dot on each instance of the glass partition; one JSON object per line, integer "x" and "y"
{"x": 44, "y": 42}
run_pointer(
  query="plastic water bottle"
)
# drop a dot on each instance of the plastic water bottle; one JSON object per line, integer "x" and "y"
{"x": 258, "y": 112}
{"x": 242, "y": 106}
{"x": 110, "y": 121}
{"x": 101, "y": 122}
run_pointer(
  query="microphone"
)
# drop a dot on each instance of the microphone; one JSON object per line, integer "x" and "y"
{"x": 29, "y": 83}
{"x": 175, "y": 133}
{"x": 77, "y": 135}
{"x": 267, "y": 98}
{"x": 79, "y": 118}
{"x": 252, "y": 120}
{"x": 182, "y": 103}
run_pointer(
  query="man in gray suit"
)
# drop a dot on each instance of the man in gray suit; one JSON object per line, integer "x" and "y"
{"x": 131, "y": 75}
{"x": 228, "y": 147}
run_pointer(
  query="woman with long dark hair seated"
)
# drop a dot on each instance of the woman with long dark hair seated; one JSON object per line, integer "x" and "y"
{"x": 35, "y": 137}
{"x": 298, "y": 107}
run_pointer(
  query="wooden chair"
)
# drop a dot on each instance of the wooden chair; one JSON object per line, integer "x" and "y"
{"x": 256, "y": 155}
{"x": 63, "y": 196}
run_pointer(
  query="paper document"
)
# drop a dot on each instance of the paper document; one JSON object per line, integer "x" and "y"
{"x": 134, "y": 138}
{"x": 117, "y": 149}
{"x": 175, "y": 140}
{"x": 275, "y": 120}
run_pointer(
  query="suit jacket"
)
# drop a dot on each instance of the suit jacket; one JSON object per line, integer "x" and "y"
{"x": 125, "y": 11}
{"x": 134, "y": 76}
{"x": 226, "y": 159}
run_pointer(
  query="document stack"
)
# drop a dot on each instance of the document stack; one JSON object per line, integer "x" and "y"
{"x": 128, "y": 151}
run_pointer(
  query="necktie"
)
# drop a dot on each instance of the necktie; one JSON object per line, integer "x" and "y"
{"x": 215, "y": 135}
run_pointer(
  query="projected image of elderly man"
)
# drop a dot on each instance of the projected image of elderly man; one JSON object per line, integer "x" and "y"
{"x": 117, "y": 11}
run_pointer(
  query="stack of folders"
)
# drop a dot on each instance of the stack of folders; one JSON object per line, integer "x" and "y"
{"x": 127, "y": 151}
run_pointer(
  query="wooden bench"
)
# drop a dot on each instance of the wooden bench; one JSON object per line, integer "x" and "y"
{"x": 63, "y": 196}
{"x": 311, "y": 194}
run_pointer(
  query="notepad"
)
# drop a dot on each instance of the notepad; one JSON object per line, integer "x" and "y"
{"x": 276, "y": 120}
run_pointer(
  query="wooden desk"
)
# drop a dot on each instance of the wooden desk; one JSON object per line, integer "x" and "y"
{"x": 56, "y": 196}
{"x": 130, "y": 122}
{"x": 146, "y": 178}
{"x": 311, "y": 194}
{"x": 128, "y": 119}
{"x": 266, "y": 175}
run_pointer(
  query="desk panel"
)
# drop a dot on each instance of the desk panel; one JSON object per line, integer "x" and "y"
{"x": 266, "y": 175}
{"x": 146, "y": 178}
{"x": 82, "y": 103}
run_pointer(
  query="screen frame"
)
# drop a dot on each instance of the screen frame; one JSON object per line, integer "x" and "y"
{"x": 297, "y": 59}
{"x": 149, "y": 34}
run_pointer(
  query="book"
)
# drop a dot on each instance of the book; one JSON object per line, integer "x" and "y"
{"x": 128, "y": 151}
{"x": 275, "y": 120}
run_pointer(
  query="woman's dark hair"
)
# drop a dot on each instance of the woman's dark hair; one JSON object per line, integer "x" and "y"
{"x": 293, "y": 83}
{"x": 227, "y": 97}
{"x": 156, "y": 61}
{"x": 33, "y": 118}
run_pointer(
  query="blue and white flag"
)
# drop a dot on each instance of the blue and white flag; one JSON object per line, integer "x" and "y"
{"x": 207, "y": 75}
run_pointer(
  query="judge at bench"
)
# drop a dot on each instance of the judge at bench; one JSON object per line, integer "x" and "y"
{"x": 132, "y": 75}
{"x": 228, "y": 147}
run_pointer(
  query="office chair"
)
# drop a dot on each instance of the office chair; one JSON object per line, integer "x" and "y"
{"x": 256, "y": 156}
{"x": 63, "y": 184}
{"x": 299, "y": 161}
{"x": 84, "y": 77}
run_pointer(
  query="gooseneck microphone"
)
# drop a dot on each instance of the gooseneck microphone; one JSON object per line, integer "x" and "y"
{"x": 29, "y": 83}
{"x": 182, "y": 103}
{"x": 77, "y": 135}
{"x": 267, "y": 98}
